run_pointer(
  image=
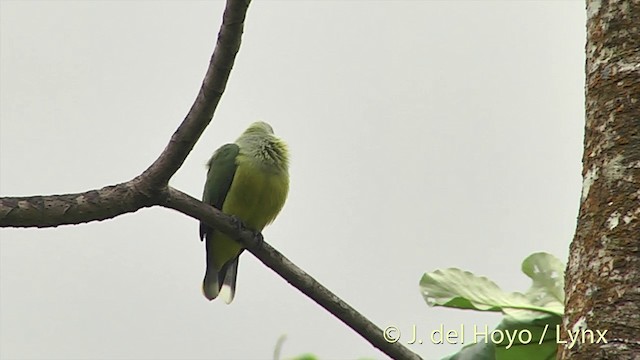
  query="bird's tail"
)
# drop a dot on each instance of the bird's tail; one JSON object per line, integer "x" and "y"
{"x": 221, "y": 282}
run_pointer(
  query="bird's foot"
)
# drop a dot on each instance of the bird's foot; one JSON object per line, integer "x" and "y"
{"x": 237, "y": 223}
{"x": 258, "y": 239}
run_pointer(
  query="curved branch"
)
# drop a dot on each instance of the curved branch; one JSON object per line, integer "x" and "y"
{"x": 297, "y": 277}
{"x": 213, "y": 86}
{"x": 150, "y": 188}
{"x": 111, "y": 201}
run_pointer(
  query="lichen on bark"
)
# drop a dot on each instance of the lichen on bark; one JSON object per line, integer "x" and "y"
{"x": 603, "y": 272}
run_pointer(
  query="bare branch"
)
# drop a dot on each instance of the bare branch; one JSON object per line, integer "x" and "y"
{"x": 55, "y": 210}
{"x": 111, "y": 201}
{"x": 202, "y": 110}
{"x": 150, "y": 188}
{"x": 289, "y": 271}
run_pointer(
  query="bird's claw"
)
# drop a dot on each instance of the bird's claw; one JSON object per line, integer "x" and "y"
{"x": 258, "y": 239}
{"x": 237, "y": 223}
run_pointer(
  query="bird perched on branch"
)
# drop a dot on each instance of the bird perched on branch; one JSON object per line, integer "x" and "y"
{"x": 248, "y": 179}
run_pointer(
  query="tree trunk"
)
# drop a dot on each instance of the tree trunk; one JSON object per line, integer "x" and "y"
{"x": 603, "y": 272}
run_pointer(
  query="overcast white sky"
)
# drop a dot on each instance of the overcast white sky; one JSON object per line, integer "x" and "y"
{"x": 423, "y": 134}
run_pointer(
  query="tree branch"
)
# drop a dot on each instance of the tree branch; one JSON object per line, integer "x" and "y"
{"x": 213, "y": 85}
{"x": 55, "y": 210}
{"x": 297, "y": 277}
{"x": 151, "y": 188}
{"x": 142, "y": 191}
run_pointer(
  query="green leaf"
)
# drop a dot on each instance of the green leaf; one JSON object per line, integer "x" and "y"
{"x": 477, "y": 351}
{"x": 547, "y": 273}
{"x": 514, "y": 340}
{"x": 461, "y": 289}
{"x": 528, "y": 330}
{"x": 305, "y": 357}
{"x": 535, "y": 339}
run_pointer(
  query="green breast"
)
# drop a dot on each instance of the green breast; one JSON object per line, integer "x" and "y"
{"x": 256, "y": 196}
{"x": 257, "y": 193}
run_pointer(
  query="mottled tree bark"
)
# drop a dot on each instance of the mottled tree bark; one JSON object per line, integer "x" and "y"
{"x": 603, "y": 273}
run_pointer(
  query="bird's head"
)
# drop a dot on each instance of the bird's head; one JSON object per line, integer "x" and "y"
{"x": 259, "y": 128}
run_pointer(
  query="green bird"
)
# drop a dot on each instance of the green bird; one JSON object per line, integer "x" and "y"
{"x": 248, "y": 179}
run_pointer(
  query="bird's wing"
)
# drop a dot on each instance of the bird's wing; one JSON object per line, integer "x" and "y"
{"x": 222, "y": 168}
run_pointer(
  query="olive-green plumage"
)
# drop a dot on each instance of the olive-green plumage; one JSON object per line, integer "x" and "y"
{"x": 248, "y": 179}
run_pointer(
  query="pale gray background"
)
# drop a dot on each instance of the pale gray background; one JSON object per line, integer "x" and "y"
{"x": 424, "y": 135}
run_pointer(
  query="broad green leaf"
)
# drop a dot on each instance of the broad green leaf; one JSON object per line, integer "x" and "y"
{"x": 547, "y": 273}
{"x": 477, "y": 351}
{"x": 534, "y": 340}
{"x": 528, "y": 330}
{"x": 461, "y": 289}
{"x": 513, "y": 340}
